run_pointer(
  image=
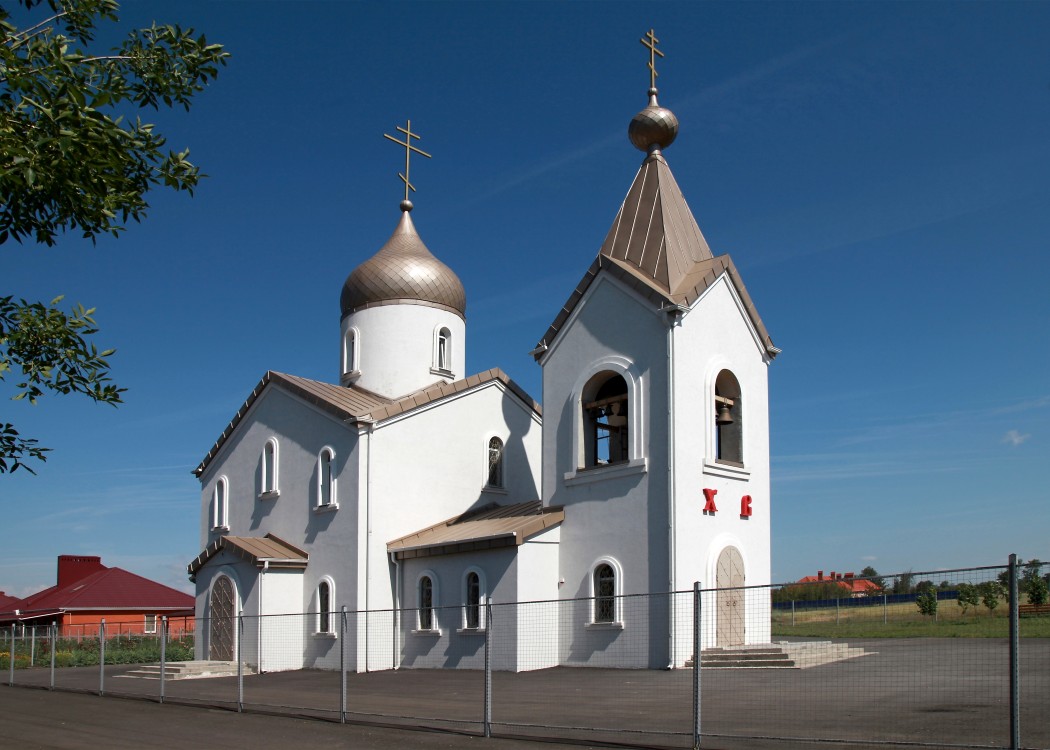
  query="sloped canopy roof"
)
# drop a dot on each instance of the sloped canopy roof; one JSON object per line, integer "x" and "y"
{"x": 490, "y": 527}
{"x": 108, "y": 589}
{"x": 356, "y": 405}
{"x": 656, "y": 247}
{"x": 258, "y": 550}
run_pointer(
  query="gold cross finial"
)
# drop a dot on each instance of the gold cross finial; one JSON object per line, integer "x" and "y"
{"x": 650, "y": 41}
{"x": 409, "y": 148}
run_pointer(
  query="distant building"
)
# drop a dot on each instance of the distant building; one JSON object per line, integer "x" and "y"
{"x": 87, "y": 592}
{"x": 416, "y": 492}
{"x": 855, "y": 586}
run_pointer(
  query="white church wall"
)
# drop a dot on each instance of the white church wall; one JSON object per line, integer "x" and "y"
{"x": 618, "y": 511}
{"x": 280, "y": 624}
{"x": 398, "y": 349}
{"x": 713, "y": 336}
{"x": 537, "y": 617}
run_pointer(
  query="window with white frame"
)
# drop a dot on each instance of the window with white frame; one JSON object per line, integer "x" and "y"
{"x": 351, "y": 347}
{"x": 605, "y": 426}
{"x": 443, "y": 350}
{"x": 269, "y": 467}
{"x": 605, "y": 593}
{"x": 427, "y": 619}
{"x": 324, "y": 606}
{"x": 150, "y": 625}
{"x": 495, "y": 463}
{"x": 326, "y": 489}
{"x": 220, "y": 504}
{"x": 729, "y": 420}
{"x": 473, "y": 600}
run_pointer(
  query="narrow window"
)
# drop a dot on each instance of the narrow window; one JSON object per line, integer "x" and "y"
{"x": 444, "y": 344}
{"x": 426, "y": 603}
{"x": 350, "y": 351}
{"x": 729, "y": 420}
{"x": 219, "y": 505}
{"x": 326, "y": 478}
{"x": 605, "y": 409}
{"x": 495, "y": 463}
{"x": 151, "y": 624}
{"x": 324, "y": 607}
{"x": 472, "y": 612}
{"x": 604, "y": 593}
{"x": 269, "y": 466}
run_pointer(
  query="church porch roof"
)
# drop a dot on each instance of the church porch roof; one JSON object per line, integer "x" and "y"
{"x": 258, "y": 550}
{"x": 490, "y": 527}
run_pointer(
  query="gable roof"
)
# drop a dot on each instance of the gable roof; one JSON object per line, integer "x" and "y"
{"x": 107, "y": 589}
{"x": 656, "y": 248}
{"x": 490, "y": 527}
{"x": 358, "y": 405}
{"x": 7, "y": 602}
{"x": 259, "y": 550}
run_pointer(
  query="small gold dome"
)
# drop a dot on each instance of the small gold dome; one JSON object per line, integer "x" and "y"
{"x": 403, "y": 270}
{"x": 654, "y": 126}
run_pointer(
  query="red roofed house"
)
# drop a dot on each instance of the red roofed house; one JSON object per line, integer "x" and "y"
{"x": 855, "y": 586}
{"x": 88, "y": 592}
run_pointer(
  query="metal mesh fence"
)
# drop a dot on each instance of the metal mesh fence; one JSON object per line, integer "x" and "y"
{"x": 944, "y": 659}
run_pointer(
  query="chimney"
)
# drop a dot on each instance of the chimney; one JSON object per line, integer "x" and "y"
{"x": 820, "y": 575}
{"x": 849, "y": 575}
{"x": 833, "y": 575}
{"x": 71, "y": 568}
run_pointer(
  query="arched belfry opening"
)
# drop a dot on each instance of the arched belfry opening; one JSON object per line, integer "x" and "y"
{"x": 605, "y": 423}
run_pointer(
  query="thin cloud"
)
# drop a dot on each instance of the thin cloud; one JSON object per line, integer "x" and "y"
{"x": 1015, "y": 438}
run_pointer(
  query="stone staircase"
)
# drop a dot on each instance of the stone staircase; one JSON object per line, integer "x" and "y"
{"x": 187, "y": 670}
{"x": 782, "y": 655}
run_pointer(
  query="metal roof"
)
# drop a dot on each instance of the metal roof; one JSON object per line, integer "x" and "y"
{"x": 259, "y": 550}
{"x": 356, "y": 405}
{"x": 491, "y": 527}
{"x": 656, "y": 247}
{"x": 403, "y": 271}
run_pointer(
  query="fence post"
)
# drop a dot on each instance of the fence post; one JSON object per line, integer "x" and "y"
{"x": 884, "y": 608}
{"x": 11, "y": 657}
{"x": 32, "y": 648}
{"x": 240, "y": 663}
{"x": 792, "y": 613}
{"x": 102, "y": 657}
{"x": 54, "y": 637}
{"x": 836, "y": 610}
{"x": 1015, "y": 687}
{"x": 696, "y": 661}
{"x": 163, "y": 653}
{"x": 488, "y": 669}
{"x": 342, "y": 665}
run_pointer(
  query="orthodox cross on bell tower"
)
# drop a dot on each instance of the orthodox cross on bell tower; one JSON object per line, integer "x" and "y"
{"x": 409, "y": 148}
{"x": 650, "y": 41}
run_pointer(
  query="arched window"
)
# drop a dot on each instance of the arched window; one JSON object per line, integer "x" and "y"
{"x": 473, "y": 600}
{"x": 443, "y": 355}
{"x": 729, "y": 420}
{"x": 425, "y": 610}
{"x": 495, "y": 474}
{"x": 605, "y": 428}
{"x": 220, "y": 504}
{"x": 350, "y": 351}
{"x": 324, "y": 607}
{"x": 326, "y": 495}
{"x": 269, "y": 467}
{"x": 605, "y": 603}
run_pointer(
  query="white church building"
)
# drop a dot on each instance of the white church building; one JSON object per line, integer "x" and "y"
{"x": 413, "y": 493}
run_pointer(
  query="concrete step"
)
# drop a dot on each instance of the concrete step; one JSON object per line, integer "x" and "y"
{"x": 782, "y": 655}
{"x": 187, "y": 670}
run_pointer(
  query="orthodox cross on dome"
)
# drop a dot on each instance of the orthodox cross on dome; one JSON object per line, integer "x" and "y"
{"x": 409, "y": 148}
{"x": 650, "y": 41}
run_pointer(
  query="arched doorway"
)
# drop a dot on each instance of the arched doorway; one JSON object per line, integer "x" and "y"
{"x": 220, "y": 629}
{"x": 730, "y": 601}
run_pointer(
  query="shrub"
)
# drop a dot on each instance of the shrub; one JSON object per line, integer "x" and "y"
{"x": 991, "y": 592}
{"x": 927, "y": 603}
{"x": 968, "y": 596}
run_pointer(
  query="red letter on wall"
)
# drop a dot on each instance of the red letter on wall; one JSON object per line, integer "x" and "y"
{"x": 745, "y": 506}
{"x": 709, "y": 506}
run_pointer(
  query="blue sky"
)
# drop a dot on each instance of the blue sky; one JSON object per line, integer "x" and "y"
{"x": 878, "y": 172}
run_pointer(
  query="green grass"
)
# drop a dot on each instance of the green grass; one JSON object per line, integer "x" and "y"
{"x": 904, "y": 621}
{"x": 85, "y": 653}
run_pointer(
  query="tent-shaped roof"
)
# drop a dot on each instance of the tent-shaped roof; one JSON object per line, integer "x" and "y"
{"x": 486, "y": 528}
{"x": 656, "y": 247}
{"x": 357, "y": 405}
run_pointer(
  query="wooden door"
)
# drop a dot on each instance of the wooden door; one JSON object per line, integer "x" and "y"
{"x": 730, "y": 602}
{"x": 220, "y": 630}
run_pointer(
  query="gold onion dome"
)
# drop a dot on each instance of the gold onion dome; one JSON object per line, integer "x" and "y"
{"x": 653, "y": 127}
{"x": 403, "y": 270}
